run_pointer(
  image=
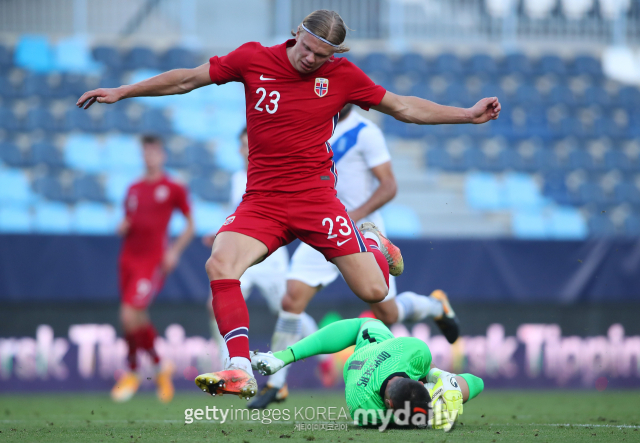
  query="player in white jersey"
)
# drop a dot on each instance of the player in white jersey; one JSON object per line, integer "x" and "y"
{"x": 366, "y": 183}
{"x": 268, "y": 276}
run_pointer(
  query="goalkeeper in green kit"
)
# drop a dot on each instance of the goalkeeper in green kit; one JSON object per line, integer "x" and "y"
{"x": 387, "y": 379}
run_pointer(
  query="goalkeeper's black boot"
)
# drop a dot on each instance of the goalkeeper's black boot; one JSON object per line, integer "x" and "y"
{"x": 268, "y": 395}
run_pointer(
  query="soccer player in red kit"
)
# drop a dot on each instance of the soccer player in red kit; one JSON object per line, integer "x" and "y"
{"x": 294, "y": 92}
{"x": 145, "y": 260}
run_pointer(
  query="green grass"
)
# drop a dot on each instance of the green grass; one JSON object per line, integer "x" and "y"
{"x": 495, "y": 416}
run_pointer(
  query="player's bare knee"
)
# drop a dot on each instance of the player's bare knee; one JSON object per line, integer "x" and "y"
{"x": 374, "y": 293}
{"x": 289, "y": 303}
{"x": 218, "y": 268}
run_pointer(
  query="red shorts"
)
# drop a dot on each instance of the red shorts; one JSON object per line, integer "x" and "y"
{"x": 140, "y": 282}
{"x": 314, "y": 216}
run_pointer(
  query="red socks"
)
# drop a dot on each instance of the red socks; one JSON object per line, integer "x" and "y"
{"x": 372, "y": 246}
{"x": 232, "y": 316}
{"x": 142, "y": 338}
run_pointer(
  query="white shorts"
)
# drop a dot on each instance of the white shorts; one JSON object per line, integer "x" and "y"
{"x": 270, "y": 277}
{"x": 311, "y": 268}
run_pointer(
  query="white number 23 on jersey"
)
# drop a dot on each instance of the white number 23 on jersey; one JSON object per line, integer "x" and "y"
{"x": 274, "y": 95}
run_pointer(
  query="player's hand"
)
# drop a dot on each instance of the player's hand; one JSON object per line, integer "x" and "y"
{"x": 170, "y": 261}
{"x": 100, "y": 95}
{"x": 485, "y": 110}
{"x": 123, "y": 227}
{"x": 207, "y": 240}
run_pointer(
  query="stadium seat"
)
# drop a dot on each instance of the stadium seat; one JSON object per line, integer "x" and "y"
{"x": 15, "y": 220}
{"x": 141, "y": 58}
{"x": 412, "y": 63}
{"x": 154, "y": 121}
{"x": 122, "y": 153}
{"x": 595, "y": 95}
{"x": 52, "y": 218}
{"x": 6, "y": 58}
{"x": 176, "y": 158}
{"x": 117, "y": 184}
{"x": 88, "y": 187}
{"x": 40, "y": 119}
{"x": 176, "y": 58}
{"x": 632, "y": 226}
{"x": 567, "y": 224}
{"x": 600, "y": 225}
{"x": 629, "y": 97}
{"x": 83, "y": 153}
{"x": 34, "y": 53}
{"x": 551, "y": 64}
{"x": 561, "y": 94}
{"x": 14, "y": 187}
{"x": 447, "y": 64}
{"x": 73, "y": 85}
{"x": 115, "y": 119}
{"x": 521, "y": 191}
{"x": 92, "y": 219}
{"x": 72, "y": 54}
{"x": 8, "y": 119}
{"x": 401, "y": 221}
{"x": 36, "y": 84}
{"x": 214, "y": 188}
{"x": 529, "y": 225}
{"x": 627, "y": 192}
{"x": 47, "y": 154}
{"x": 109, "y": 57}
{"x": 377, "y": 61}
{"x": 587, "y": 65}
{"x": 52, "y": 188}
{"x": 13, "y": 156}
{"x": 483, "y": 191}
{"x": 79, "y": 120}
{"x": 208, "y": 217}
{"x": 517, "y": 63}
{"x": 482, "y": 65}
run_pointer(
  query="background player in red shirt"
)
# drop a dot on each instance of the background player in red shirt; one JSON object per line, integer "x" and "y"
{"x": 145, "y": 261}
{"x": 294, "y": 92}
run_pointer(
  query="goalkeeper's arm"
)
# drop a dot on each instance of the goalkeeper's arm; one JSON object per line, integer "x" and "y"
{"x": 328, "y": 340}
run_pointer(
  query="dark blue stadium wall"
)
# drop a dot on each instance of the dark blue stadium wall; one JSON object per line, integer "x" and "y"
{"x": 84, "y": 268}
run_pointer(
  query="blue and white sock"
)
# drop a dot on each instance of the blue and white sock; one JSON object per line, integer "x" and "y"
{"x": 288, "y": 331}
{"x": 416, "y": 307}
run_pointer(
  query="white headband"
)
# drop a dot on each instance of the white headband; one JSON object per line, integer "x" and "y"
{"x": 320, "y": 38}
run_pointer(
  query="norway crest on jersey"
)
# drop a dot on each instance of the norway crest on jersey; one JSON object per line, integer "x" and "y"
{"x": 322, "y": 87}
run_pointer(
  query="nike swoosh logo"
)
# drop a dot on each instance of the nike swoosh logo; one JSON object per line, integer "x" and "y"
{"x": 340, "y": 243}
{"x": 262, "y": 77}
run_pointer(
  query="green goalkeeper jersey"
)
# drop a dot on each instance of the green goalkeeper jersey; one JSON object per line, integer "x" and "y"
{"x": 378, "y": 357}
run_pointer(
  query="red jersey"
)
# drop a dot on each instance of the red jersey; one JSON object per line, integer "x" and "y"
{"x": 148, "y": 207}
{"x": 291, "y": 116}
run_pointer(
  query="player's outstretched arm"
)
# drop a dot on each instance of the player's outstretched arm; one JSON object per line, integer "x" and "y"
{"x": 424, "y": 112}
{"x": 176, "y": 81}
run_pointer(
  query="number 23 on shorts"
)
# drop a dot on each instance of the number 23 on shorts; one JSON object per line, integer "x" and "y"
{"x": 343, "y": 228}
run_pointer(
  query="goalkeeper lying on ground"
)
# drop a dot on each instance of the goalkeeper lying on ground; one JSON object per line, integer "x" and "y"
{"x": 383, "y": 374}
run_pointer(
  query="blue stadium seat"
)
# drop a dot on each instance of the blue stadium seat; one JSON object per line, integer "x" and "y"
{"x": 92, "y": 219}
{"x": 14, "y": 187}
{"x": 438, "y": 158}
{"x": 176, "y": 58}
{"x": 37, "y": 84}
{"x": 12, "y": 155}
{"x": 401, "y": 221}
{"x": 41, "y": 119}
{"x": 595, "y": 95}
{"x": 212, "y": 188}
{"x": 6, "y": 59}
{"x": 422, "y": 90}
{"x": 8, "y": 119}
{"x": 46, "y": 153}
{"x": 52, "y": 218}
{"x": 115, "y": 119}
{"x": 629, "y": 97}
{"x": 141, "y": 58}
{"x": 615, "y": 159}
{"x": 472, "y": 158}
{"x": 600, "y": 225}
{"x": 176, "y": 159}
{"x": 521, "y": 191}
{"x": 15, "y": 220}
{"x": 482, "y": 65}
{"x": 88, "y": 187}
{"x": 208, "y": 217}
{"x": 34, "y": 53}
{"x": 529, "y": 225}
{"x": 627, "y": 192}
{"x": 551, "y": 64}
{"x": 377, "y": 61}
{"x": 587, "y": 65}
{"x": 555, "y": 186}
{"x": 117, "y": 184}
{"x": 456, "y": 94}
{"x": 527, "y": 94}
{"x": 52, "y": 188}
{"x": 412, "y": 63}
{"x": 109, "y": 57}
{"x": 632, "y": 226}
{"x": 123, "y": 153}
{"x": 154, "y": 121}
{"x": 567, "y": 223}
{"x": 580, "y": 159}
{"x": 72, "y": 54}
{"x": 72, "y": 85}
{"x": 561, "y": 94}
{"x": 79, "y": 120}
{"x": 82, "y": 152}
{"x": 591, "y": 192}
{"x": 447, "y": 64}
{"x": 483, "y": 191}
{"x": 517, "y": 63}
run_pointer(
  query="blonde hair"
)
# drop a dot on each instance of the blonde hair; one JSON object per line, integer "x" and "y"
{"x": 328, "y": 25}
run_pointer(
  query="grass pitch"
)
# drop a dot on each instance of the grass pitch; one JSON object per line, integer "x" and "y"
{"x": 495, "y": 416}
